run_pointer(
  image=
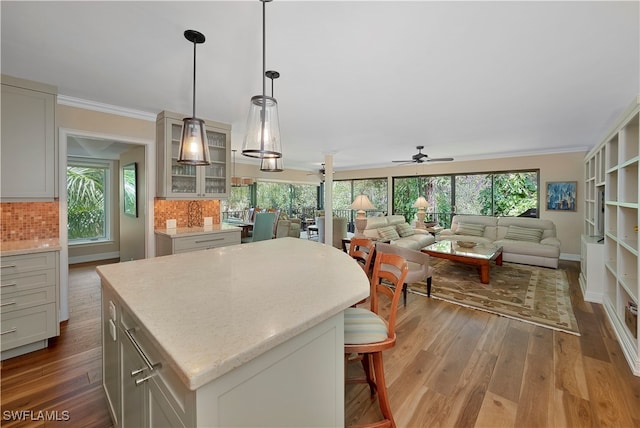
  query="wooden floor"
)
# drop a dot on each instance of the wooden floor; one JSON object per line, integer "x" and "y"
{"x": 451, "y": 367}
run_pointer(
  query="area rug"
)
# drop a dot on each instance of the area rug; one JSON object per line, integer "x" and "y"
{"x": 531, "y": 294}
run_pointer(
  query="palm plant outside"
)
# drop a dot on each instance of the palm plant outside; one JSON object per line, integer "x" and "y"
{"x": 85, "y": 202}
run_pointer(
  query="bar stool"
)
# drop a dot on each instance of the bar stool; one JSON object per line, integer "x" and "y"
{"x": 367, "y": 333}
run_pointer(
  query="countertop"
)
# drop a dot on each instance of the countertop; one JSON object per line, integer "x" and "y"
{"x": 198, "y": 230}
{"x": 214, "y": 310}
{"x": 16, "y": 248}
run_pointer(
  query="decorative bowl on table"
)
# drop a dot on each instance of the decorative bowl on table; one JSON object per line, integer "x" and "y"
{"x": 466, "y": 244}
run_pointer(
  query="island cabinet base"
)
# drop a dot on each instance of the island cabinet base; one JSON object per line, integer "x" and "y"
{"x": 297, "y": 383}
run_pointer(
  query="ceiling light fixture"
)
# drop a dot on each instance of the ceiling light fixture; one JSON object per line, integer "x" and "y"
{"x": 194, "y": 149}
{"x": 262, "y": 139}
{"x": 272, "y": 164}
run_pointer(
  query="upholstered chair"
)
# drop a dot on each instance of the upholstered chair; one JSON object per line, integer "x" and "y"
{"x": 419, "y": 269}
{"x": 339, "y": 230}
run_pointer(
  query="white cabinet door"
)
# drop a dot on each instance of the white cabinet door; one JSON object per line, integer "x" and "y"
{"x": 177, "y": 181}
{"x": 28, "y": 141}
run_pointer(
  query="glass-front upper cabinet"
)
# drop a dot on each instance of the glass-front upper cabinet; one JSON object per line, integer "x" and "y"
{"x": 178, "y": 181}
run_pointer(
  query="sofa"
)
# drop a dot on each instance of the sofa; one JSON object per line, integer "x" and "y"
{"x": 287, "y": 227}
{"x": 530, "y": 241}
{"x": 396, "y": 230}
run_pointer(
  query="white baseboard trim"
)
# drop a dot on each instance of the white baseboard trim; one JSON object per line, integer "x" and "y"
{"x": 94, "y": 257}
{"x": 570, "y": 257}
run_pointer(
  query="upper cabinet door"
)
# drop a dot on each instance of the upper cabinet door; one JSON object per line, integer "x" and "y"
{"x": 177, "y": 181}
{"x": 29, "y": 162}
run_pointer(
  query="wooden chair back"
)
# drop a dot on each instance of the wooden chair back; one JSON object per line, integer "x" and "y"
{"x": 392, "y": 268}
{"x": 362, "y": 250}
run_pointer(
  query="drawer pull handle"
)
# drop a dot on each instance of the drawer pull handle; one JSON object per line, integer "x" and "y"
{"x": 2, "y": 305}
{"x": 135, "y": 373}
{"x": 144, "y": 379}
{"x": 9, "y": 284}
{"x": 8, "y": 266}
{"x": 210, "y": 240}
{"x": 13, "y": 330}
{"x": 138, "y": 348}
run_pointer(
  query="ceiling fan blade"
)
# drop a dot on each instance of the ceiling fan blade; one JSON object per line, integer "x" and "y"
{"x": 439, "y": 160}
{"x": 403, "y": 161}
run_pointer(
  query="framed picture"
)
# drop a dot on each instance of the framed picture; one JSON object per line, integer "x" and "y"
{"x": 561, "y": 195}
{"x": 130, "y": 183}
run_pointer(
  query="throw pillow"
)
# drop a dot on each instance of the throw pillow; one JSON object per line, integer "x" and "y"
{"x": 516, "y": 233}
{"x": 404, "y": 229}
{"x": 388, "y": 233}
{"x": 470, "y": 229}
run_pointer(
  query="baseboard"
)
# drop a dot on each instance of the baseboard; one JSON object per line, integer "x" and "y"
{"x": 94, "y": 257}
{"x": 570, "y": 257}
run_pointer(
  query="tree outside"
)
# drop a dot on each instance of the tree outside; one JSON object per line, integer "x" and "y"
{"x": 86, "y": 202}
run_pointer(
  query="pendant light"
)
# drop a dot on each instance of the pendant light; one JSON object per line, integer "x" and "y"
{"x": 194, "y": 149}
{"x": 262, "y": 139}
{"x": 272, "y": 164}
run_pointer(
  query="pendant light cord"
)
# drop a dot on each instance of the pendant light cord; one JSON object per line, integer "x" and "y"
{"x": 264, "y": 78}
{"x": 194, "y": 78}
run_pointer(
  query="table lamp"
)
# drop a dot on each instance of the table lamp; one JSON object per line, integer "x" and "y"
{"x": 420, "y": 203}
{"x": 361, "y": 203}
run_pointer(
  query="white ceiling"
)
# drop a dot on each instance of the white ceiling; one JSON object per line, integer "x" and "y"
{"x": 364, "y": 80}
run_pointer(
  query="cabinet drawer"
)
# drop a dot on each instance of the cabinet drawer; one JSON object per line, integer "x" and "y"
{"x": 202, "y": 242}
{"x": 28, "y": 298}
{"x": 27, "y": 326}
{"x": 175, "y": 393}
{"x": 19, "y": 282}
{"x": 28, "y": 263}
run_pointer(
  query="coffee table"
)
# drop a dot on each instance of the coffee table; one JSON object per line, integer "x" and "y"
{"x": 481, "y": 255}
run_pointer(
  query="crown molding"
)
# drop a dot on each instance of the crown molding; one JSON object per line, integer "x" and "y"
{"x": 105, "y": 108}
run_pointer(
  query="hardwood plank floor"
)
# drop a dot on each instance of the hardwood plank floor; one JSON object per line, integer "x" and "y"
{"x": 451, "y": 367}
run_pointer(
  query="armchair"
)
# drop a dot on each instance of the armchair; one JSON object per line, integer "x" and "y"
{"x": 339, "y": 230}
{"x": 419, "y": 268}
{"x": 288, "y": 227}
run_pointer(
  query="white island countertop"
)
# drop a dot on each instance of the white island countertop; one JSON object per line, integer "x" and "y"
{"x": 212, "y": 311}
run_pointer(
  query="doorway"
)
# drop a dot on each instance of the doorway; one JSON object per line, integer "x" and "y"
{"x": 119, "y": 234}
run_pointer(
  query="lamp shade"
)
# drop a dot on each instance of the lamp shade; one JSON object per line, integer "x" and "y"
{"x": 271, "y": 165}
{"x": 194, "y": 149}
{"x": 262, "y": 139}
{"x": 421, "y": 202}
{"x": 362, "y": 203}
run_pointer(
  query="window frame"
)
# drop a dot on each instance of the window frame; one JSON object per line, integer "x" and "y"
{"x": 109, "y": 167}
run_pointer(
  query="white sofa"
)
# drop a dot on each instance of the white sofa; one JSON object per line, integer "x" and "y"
{"x": 530, "y": 241}
{"x": 407, "y": 236}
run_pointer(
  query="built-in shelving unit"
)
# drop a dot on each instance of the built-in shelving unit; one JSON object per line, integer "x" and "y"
{"x": 617, "y": 159}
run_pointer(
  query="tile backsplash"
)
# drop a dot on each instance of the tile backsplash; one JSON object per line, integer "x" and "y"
{"x": 164, "y": 210}
{"x": 29, "y": 220}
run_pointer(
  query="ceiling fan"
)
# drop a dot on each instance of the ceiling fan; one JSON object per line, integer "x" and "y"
{"x": 320, "y": 173}
{"x": 421, "y": 157}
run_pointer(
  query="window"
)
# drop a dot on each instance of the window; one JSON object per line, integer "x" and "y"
{"x": 239, "y": 199}
{"x": 88, "y": 196}
{"x": 510, "y": 193}
{"x": 293, "y": 199}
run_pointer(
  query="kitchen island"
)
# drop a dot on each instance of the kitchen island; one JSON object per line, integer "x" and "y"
{"x": 244, "y": 335}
